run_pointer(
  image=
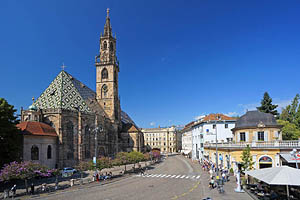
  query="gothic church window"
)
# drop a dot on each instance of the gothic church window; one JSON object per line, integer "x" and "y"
{"x": 34, "y": 153}
{"x": 104, "y": 74}
{"x": 87, "y": 142}
{"x": 49, "y": 152}
{"x": 70, "y": 140}
{"x": 104, "y": 45}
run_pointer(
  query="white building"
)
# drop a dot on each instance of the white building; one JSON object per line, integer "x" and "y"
{"x": 187, "y": 143}
{"x": 205, "y": 129}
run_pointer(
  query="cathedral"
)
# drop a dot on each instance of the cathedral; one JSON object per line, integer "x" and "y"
{"x": 70, "y": 122}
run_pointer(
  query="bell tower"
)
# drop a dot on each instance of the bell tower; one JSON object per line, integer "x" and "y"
{"x": 107, "y": 70}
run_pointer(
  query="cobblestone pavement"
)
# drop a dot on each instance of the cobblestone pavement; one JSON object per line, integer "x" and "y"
{"x": 158, "y": 183}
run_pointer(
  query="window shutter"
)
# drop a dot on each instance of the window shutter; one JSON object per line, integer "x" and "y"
{"x": 266, "y": 136}
{"x": 247, "y": 136}
{"x": 256, "y": 136}
{"x": 238, "y": 137}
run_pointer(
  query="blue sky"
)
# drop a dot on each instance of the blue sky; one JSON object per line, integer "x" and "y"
{"x": 178, "y": 59}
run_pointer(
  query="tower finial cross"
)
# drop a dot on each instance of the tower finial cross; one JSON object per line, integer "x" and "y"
{"x": 107, "y": 11}
{"x": 63, "y": 67}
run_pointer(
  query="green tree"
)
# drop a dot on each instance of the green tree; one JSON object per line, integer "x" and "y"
{"x": 10, "y": 139}
{"x": 83, "y": 166}
{"x": 123, "y": 158}
{"x": 285, "y": 114}
{"x": 293, "y": 109}
{"x": 246, "y": 157}
{"x": 103, "y": 163}
{"x": 289, "y": 130}
{"x": 290, "y": 112}
{"x": 267, "y": 106}
{"x": 135, "y": 157}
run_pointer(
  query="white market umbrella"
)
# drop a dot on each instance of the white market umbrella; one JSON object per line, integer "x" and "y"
{"x": 283, "y": 175}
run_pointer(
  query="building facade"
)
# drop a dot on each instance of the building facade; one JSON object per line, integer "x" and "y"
{"x": 163, "y": 139}
{"x": 87, "y": 123}
{"x": 187, "y": 142}
{"x": 205, "y": 130}
{"x": 261, "y": 133}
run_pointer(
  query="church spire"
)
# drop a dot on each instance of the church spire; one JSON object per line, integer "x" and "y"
{"x": 107, "y": 26}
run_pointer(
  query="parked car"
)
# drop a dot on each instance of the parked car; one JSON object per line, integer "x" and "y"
{"x": 69, "y": 170}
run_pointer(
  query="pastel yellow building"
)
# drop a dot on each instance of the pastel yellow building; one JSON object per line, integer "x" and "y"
{"x": 262, "y": 133}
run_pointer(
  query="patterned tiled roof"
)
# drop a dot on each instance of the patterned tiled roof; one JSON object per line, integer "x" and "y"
{"x": 66, "y": 92}
{"x": 36, "y": 128}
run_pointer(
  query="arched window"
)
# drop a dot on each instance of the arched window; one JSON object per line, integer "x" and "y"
{"x": 70, "y": 140}
{"x": 104, "y": 91}
{"x": 104, "y": 45}
{"x": 49, "y": 152}
{"x": 34, "y": 153}
{"x": 87, "y": 141}
{"x": 104, "y": 74}
{"x": 111, "y": 46}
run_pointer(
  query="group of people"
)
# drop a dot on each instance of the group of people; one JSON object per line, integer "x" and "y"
{"x": 220, "y": 177}
{"x": 101, "y": 176}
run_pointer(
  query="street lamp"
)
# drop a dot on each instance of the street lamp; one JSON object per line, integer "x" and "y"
{"x": 96, "y": 130}
{"x": 294, "y": 154}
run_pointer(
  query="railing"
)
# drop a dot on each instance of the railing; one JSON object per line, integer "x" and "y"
{"x": 258, "y": 144}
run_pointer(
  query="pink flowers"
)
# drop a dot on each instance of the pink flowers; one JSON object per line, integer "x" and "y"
{"x": 24, "y": 170}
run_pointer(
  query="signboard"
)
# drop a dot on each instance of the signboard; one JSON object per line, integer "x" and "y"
{"x": 297, "y": 157}
{"x": 94, "y": 160}
{"x": 265, "y": 159}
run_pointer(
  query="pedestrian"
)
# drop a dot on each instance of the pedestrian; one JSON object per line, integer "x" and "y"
{"x": 14, "y": 190}
{"x": 212, "y": 183}
{"x": 97, "y": 177}
{"x": 223, "y": 176}
{"x": 32, "y": 188}
{"x": 142, "y": 172}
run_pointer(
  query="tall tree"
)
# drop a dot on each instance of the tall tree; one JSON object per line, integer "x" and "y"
{"x": 10, "y": 139}
{"x": 285, "y": 114}
{"x": 293, "y": 108}
{"x": 247, "y": 163}
{"x": 267, "y": 106}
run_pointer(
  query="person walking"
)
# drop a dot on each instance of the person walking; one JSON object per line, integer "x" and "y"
{"x": 223, "y": 176}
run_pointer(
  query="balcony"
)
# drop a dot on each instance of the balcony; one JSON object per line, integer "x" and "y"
{"x": 286, "y": 144}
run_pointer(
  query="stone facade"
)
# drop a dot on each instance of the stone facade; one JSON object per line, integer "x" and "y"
{"x": 87, "y": 123}
{"x": 47, "y": 146}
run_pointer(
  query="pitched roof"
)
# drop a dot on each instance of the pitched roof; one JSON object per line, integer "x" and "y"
{"x": 187, "y": 126}
{"x": 254, "y": 118}
{"x": 126, "y": 119}
{"x": 133, "y": 128}
{"x": 36, "y": 128}
{"x": 66, "y": 92}
{"x": 217, "y": 116}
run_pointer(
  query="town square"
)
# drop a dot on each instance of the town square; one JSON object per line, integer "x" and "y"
{"x": 150, "y": 100}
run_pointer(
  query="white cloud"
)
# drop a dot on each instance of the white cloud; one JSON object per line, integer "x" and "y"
{"x": 152, "y": 123}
